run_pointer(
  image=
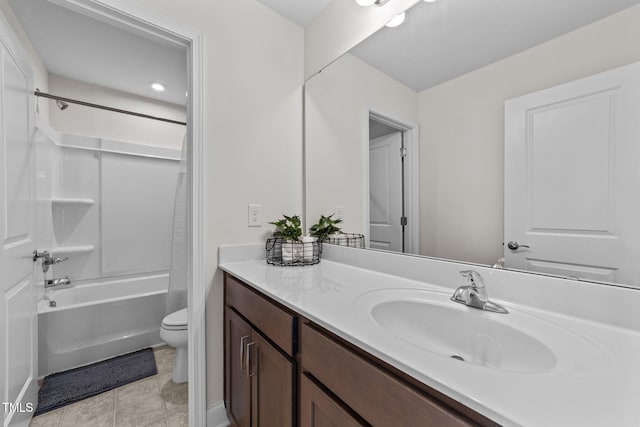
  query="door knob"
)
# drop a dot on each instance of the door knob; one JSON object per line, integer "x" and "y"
{"x": 515, "y": 245}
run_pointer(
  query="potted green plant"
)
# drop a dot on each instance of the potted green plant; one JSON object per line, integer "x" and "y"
{"x": 288, "y": 228}
{"x": 325, "y": 226}
{"x": 290, "y": 231}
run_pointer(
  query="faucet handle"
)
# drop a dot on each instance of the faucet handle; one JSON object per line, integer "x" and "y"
{"x": 474, "y": 278}
{"x": 56, "y": 260}
{"x": 476, "y": 284}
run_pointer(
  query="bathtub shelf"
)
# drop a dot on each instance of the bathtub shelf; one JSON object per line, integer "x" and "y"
{"x": 72, "y": 202}
{"x": 71, "y": 250}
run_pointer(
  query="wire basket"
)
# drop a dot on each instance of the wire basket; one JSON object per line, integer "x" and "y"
{"x": 292, "y": 253}
{"x": 346, "y": 239}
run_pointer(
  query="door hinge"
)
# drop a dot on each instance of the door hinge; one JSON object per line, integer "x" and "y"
{"x": 403, "y": 221}
{"x": 403, "y": 152}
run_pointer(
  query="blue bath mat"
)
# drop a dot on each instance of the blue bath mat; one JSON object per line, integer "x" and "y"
{"x": 64, "y": 388}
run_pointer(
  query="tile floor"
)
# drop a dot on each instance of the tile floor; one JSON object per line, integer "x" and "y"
{"x": 152, "y": 401}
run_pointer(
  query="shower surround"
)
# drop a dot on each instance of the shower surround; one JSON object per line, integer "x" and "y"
{"x": 107, "y": 206}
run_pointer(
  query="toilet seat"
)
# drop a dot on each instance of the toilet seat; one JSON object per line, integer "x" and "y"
{"x": 174, "y": 332}
{"x": 176, "y": 321}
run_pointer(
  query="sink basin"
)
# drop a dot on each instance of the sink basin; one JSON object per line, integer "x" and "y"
{"x": 430, "y": 321}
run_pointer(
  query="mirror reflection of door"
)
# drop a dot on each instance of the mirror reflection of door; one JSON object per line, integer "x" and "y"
{"x": 570, "y": 154}
{"x": 386, "y": 188}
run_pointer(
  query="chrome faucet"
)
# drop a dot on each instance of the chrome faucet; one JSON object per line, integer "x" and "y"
{"x": 47, "y": 259}
{"x": 57, "y": 282}
{"x": 475, "y": 294}
{"x": 52, "y": 303}
{"x": 499, "y": 263}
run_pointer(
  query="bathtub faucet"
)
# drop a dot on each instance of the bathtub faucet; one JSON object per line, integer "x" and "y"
{"x": 52, "y": 303}
{"x": 47, "y": 259}
{"x": 57, "y": 282}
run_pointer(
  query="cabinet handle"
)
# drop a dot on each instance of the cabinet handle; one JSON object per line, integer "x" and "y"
{"x": 243, "y": 364}
{"x": 251, "y": 371}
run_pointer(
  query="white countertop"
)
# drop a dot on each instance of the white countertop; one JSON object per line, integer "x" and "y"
{"x": 601, "y": 388}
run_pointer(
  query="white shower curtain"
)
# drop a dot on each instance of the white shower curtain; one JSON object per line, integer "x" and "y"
{"x": 177, "y": 295}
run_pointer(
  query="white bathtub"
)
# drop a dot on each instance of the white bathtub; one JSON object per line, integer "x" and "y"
{"x": 92, "y": 322}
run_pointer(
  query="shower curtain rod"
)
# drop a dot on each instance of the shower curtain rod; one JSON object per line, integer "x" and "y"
{"x": 103, "y": 107}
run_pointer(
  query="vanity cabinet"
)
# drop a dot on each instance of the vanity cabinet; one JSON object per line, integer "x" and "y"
{"x": 380, "y": 397}
{"x": 259, "y": 367}
{"x": 318, "y": 408}
{"x": 268, "y": 358}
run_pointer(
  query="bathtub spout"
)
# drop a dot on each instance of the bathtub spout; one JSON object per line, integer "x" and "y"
{"x": 57, "y": 282}
{"x": 52, "y": 303}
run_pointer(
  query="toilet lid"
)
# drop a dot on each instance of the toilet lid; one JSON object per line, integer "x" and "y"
{"x": 178, "y": 318}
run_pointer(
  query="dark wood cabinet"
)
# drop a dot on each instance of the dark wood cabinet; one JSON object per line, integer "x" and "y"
{"x": 238, "y": 381}
{"x": 272, "y": 384}
{"x": 267, "y": 359}
{"x": 374, "y": 393}
{"x": 319, "y": 409}
{"x": 259, "y": 375}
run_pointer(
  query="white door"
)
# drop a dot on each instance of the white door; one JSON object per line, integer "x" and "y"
{"x": 385, "y": 192}
{"x": 571, "y": 178}
{"x": 18, "y": 321}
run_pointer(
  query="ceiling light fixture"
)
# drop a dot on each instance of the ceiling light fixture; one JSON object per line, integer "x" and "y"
{"x": 396, "y": 20}
{"x": 371, "y": 2}
{"x": 430, "y": 1}
{"x": 158, "y": 87}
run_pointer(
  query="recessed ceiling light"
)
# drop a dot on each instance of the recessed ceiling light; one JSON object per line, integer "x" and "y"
{"x": 397, "y": 20}
{"x": 430, "y": 1}
{"x": 365, "y": 2}
{"x": 158, "y": 87}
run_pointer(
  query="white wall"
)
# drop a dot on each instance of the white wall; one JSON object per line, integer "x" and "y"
{"x": 342, "y": 25}
{"x": 253, "y": 114}
{"x": 94, "y": 122}
{"x": 462, "y": 133}
{"x": 337, "y": 144}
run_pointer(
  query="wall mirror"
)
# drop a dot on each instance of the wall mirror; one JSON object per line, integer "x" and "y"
{"x": 494, "y": 132}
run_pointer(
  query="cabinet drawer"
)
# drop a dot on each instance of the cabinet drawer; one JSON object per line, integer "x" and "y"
{"x": 370, "y": 391}
{"x": 274, "y": 322}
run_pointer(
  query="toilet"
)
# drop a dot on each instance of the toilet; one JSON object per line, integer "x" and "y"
{"x": 174, "y": 333}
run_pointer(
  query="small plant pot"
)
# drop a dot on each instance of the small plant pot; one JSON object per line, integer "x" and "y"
{"x": 307, "y": 249}
{"x": 290, "y": 251}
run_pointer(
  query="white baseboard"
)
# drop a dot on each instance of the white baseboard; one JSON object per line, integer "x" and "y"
{"x": 217, "y": 416}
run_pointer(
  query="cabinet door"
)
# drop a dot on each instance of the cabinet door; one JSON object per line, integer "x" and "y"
{"x": 237, "y": 381}
{"x": 317, "y": 409}
{"x": 272, "y": 387}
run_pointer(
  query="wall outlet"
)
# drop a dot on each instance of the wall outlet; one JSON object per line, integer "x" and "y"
{"x": 255, "y": 215}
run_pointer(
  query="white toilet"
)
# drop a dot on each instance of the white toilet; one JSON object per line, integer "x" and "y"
{"x": 174, "y": 332}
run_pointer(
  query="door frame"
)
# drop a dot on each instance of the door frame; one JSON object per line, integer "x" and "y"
{"x": 412, "y": 174}
{"x": 125, "y": 14}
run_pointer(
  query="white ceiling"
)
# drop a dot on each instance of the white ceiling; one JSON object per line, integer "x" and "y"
{"x": 81, "y": 48}
{"x": 446, "y": 39}
{"x": 439, "y": 41}
{"x": 301, "y": 12}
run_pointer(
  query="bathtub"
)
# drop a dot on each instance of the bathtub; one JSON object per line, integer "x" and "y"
{"x": 96, "y": 321}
